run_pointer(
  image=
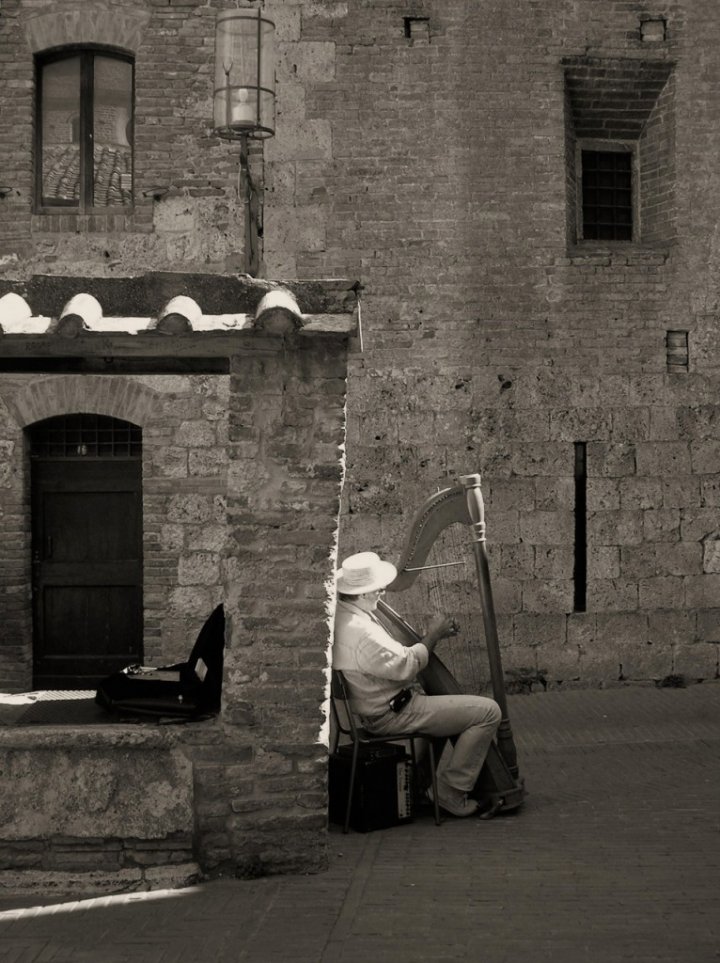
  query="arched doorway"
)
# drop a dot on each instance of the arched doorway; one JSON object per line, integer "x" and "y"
{"x": 86, "y": 483}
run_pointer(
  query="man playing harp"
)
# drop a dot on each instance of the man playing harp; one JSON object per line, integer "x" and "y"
{"x": 381, "y": 676}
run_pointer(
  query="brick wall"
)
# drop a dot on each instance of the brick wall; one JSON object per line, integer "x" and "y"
{"x": 184, "y": 422}
{"x": 658, "y": 173}
{"x": 241, "y": 480}
{"x": 494, "y": 343}
{"x": 282, "y": 509}
{"x": 434, "y": 166}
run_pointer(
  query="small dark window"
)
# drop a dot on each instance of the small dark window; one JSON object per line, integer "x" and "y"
{"x": 85, "y": 436}
{"x": 607, "y": 201}
{"x": 84, "y": 129}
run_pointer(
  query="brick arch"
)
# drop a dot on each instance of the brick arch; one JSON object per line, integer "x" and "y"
{"x": 87, "y": 22}
{"x": 70, "y": 394}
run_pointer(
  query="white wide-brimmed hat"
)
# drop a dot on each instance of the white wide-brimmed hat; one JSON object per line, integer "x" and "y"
{"x": 364, "y": 572}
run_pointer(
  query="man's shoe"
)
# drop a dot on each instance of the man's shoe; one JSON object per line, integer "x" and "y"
{"x": 454, "y": 801}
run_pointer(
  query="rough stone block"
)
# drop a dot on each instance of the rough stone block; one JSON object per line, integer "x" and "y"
{"x": 698, "y": 524}
{"x": 676, "y": 627}
{"x": 554, "y": 562}
{"x": 547, "y": 528}
{"x": 642, "y": 493}
{"x": 711, "y": 554}
{"x": 661, "y": 458}
{"x": 563, "y": 662}
{"x": 112, "y": 790}
{"x": 307, "y": 61}
{"x": 610, "y": 460}
{"x": 710, "y": 491}
{"x": 569, "y": 425}
{"x": 661, "y": 592}
{"x": 581, "y": 630}
{"x": 705, "y": 457}
{"x": 506, "y": 595}
{"x": 603, "y": 494}
{"x": 301, "y": 140}
{"x": 199, "y": 568}
{"x": 696, "y": 660}
{"x": 547, "y": 596}
{"x": 612, "y": 595}
{"x": 207, "y": 462}
{"x": 599, "y": 666}
{"x": 515, "y": 494}
{"x": 603, "y": 562}
{"x": 662, "y": 525}
{"x": 537, "y": 629}
{"x": 615, "y": 528}
{"x": 644, "y": 661}
{"x": 513, "y": 561}
{"x": 542, "y": 459}
{"x": 708, "y": 624}
{"x": 702, "y": 591}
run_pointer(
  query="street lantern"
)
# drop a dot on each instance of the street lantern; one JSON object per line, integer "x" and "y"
{"x": 244, "y": 95}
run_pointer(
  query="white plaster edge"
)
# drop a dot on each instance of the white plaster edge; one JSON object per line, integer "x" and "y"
{"x": 117, "y": 887}
{"x": 225, "y": 322}
{"x": 331, "y": 598}
{"x": 207, "y": 323}
{"x": 38, "y": 325}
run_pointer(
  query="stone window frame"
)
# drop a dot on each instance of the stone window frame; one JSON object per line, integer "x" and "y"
{"x": 614, "y": 146}
{"x": 55, "y": 55}
{"x": 90, "y": 22}
{"x": 629, "y": 102}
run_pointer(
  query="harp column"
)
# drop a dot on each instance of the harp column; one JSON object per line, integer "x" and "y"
{"x": 476, "y": 511}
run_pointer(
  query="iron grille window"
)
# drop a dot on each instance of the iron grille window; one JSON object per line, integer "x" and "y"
{"x": 84, "y": 130}
{"x": 607, "y": 202}
{"x": 85, "y": 436}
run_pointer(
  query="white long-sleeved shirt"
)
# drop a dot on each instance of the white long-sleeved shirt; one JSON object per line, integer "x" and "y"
{"x": 375, "y": 665}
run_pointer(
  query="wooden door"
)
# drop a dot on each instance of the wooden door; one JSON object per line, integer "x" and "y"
{"x": 87, "y": 569}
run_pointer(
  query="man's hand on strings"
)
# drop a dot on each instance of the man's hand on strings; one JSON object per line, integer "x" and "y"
{"x": 441, "y": 627}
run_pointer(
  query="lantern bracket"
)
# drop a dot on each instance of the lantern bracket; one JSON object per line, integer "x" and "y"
{"x": 254, "y": 208}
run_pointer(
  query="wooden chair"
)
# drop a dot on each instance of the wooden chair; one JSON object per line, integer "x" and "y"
{"x": 345, "y": 725}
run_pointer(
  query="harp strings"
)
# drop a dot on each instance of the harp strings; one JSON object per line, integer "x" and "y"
{"x": 450, "y": 589}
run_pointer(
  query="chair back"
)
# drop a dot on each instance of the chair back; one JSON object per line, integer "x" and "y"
{"x": 340, "y": 703}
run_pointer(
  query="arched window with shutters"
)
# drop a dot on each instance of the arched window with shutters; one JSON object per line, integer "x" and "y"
{"x": 84, "y": 130}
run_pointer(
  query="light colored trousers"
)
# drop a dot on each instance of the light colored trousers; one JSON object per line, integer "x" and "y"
{"x": 473, "y": 719}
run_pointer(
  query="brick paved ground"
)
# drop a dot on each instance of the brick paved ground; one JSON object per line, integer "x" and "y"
{"x": 615, "y": 857}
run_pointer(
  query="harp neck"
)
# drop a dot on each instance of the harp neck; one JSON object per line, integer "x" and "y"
{"x": 462, "y": 503}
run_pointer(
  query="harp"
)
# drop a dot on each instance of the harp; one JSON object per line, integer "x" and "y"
{"x": 499, "y": 786}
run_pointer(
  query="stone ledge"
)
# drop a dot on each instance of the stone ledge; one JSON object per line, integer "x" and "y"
{"x": 147, "y": 295}
{"x": 619, "y": 254}
{"x": 89, "y": 737}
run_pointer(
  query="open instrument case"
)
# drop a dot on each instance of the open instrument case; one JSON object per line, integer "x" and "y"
{"x": 184, "y": 690}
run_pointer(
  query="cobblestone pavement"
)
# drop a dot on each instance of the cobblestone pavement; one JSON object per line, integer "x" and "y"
{"x": 614, "y": 857}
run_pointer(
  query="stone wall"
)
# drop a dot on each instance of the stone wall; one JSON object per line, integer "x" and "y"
{"x": 107, "y": 800}
{"x": 184, "y": 422}
{"x": 260, "y": 536}
{"x": 425, "y": 150}
{"x": 242, "y": 474}
{"x": 494, "y": 342}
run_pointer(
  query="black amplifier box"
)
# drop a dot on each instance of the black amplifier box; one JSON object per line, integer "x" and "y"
{"x": 382, "y": 796}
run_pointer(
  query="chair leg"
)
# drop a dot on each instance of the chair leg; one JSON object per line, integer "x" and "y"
{"x": 433, "y": 776}
{"x": 413, "y": 755}
{"x": 351, "y": 788}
